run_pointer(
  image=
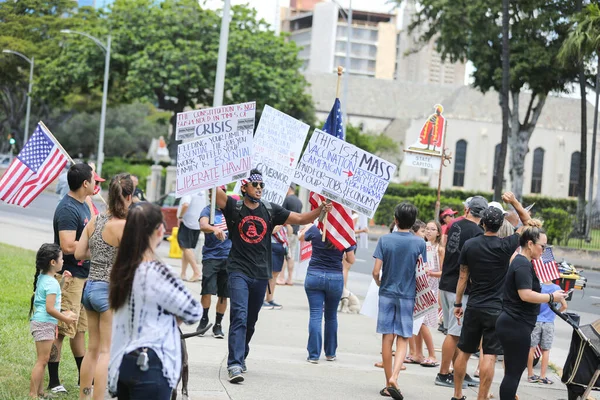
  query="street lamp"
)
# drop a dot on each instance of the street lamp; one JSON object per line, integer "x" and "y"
{"x": 31, "y": 62}
{"x": 106, "y": 48}
{"x": 348, "y": 36}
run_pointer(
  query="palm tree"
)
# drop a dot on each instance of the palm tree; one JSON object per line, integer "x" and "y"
{"x": 583, "y": 44}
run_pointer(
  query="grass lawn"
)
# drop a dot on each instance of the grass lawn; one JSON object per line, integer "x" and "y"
{"x": 594, "y": 244}
{"x": 17, "y": 349}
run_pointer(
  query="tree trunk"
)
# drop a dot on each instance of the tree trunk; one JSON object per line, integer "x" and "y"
{"x": 583, "y": 152}
{"x": 501, "y": 162}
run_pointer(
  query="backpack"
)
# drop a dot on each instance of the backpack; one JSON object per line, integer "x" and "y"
{"x": 238, "y": 209}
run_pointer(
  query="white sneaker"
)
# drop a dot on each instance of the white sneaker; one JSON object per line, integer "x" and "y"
{"x": 58, "y": 389}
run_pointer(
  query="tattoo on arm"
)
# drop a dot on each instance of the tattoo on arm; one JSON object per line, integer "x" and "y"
{"x": 464, "y": 268}
{"x": 54, "y": 353}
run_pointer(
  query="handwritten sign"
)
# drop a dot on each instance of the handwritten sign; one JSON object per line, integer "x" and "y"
{"x": 425, "y": 299}
{"x": 213, "y": 160}
{"x": 344, "y": 173}
{"x": 210, "y": 121}
{"x": 277, "y": 146}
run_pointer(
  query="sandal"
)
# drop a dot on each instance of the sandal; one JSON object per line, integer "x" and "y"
{"x": 395, "y": 393}
{"x": 545, "y": 381}
{"x": 430, "y": 363}
{"x": 384, "y": 392}
{"x": 533, "y": 379}
{"x": 410, "y": 360}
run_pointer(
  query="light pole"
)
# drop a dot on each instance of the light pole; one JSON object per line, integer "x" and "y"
{"x": 106, "y": 48}
{"x": 28, "y": 112}
{"x": 347, "y": 67}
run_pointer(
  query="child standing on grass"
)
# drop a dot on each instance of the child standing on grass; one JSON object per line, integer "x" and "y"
{"x": 45, "y": 307}
{"x": 543, "y": 335}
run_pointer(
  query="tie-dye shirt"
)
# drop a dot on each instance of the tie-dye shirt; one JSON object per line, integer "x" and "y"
{"x": 148, "y": 320}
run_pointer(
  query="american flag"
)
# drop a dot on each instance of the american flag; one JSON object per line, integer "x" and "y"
{"x": 220, "y": 222}
{"x": 340, "y": 225}
{"x": 40, "y": 161}
{"x": 546, "y": 268}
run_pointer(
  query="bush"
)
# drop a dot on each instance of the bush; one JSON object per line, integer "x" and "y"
{"x": 558, "y": 224}
{"x": 425, "y": 203}
{"x": 116, "y": 165}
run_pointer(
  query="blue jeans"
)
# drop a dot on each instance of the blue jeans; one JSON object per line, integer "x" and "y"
{"x": 323, "y": 288}
{"x": 135, "y": 384}
{"x": 95, "y": 296}
{"x": 246, "y": 296}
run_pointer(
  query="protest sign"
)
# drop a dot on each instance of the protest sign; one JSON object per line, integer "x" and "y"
{"x": 343, "y": 173}
{"x": 277, "y": 146}
{"x": 305, "y": 251}
{"x": 428, "y": 150}
{"x": 213, "y": 160}
{"x": 209, "y": 121}
{"x": 425, "y": 299}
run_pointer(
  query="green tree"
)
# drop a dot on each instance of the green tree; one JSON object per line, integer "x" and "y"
{"x": 472, "y": 30}
{"x": 582, "y": 45}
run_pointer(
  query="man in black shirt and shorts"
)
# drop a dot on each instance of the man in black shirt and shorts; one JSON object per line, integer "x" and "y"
{"x": 458, "y": 234}
{"x": 483, "y": 263}
{"x": 250, "y": 224}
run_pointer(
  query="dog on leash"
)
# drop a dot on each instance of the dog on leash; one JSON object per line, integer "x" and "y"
{"x": 185, "y": 366}
{"x": 349, "y": 303}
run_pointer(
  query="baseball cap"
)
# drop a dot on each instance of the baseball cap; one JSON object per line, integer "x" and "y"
{"x": 498, "y": 206}
{"x": 467, "y": 201}
{"x": 492, "y": 217}
{"x": 447, "y": 212}
{"x": 477, "y": 205}
{"x": 98, "y": 178}
{"x": 293, "y": 186}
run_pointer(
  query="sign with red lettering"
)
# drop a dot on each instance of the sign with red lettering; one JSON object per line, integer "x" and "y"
{"x": 210, "y": 121}
{"x": 305, "y": 251}
{"x": 425, "y": 299}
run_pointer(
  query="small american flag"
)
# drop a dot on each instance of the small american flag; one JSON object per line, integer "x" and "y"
{"x": 340, "y": 225}
{"x": 40, "y": 161}
{"x": 546, "y": 268}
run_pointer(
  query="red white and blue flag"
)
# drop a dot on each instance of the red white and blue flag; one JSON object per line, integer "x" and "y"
{"x": 340, "y": 225}
{"x": 38, "y": 164}
{"x": 546, "y": 268}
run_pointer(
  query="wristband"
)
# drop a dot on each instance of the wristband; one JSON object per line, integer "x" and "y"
{"x": 457, "y": 304}
{"x": 551, "y": 300}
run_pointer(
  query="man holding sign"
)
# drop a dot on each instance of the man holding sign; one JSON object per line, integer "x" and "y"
{"x": 250, "y": 223}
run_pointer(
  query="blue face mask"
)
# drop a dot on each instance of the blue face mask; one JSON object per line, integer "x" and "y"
{"x": 252, "y": 199}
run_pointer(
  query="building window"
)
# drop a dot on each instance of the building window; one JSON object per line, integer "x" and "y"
{"x": 460, "y": 162}
{"x": 538, "y": 168}
{"x": 495, "y": 167}
{"x": 574, "y": 175}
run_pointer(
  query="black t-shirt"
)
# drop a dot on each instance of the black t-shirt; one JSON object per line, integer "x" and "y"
{"x": 71, "y": 215}
{"x": 250, "y": 233}
{"x": 293, "y": 203}
{"x": 521, "y": 275}
{"x": 458, "y": 234}
{"x": 139, "y": 193}
{"x": 487, "y": 258}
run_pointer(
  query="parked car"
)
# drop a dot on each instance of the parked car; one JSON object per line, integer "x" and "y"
{"x": 169, "y": 204}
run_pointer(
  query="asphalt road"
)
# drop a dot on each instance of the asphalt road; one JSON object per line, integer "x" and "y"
{"x": 587, "y": 300}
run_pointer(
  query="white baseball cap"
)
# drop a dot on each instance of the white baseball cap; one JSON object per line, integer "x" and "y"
{"x": 498, "y": 206}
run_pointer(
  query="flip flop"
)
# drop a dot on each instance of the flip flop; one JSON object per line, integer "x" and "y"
{"x": 384, "y": 393}
{"x": 410, "y": 360}
{"x": 195, "y": 280}
{"x": 395, "y": 393}
{"x": 429, "y": 363}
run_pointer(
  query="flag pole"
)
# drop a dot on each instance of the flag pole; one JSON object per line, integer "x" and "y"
{"x": 439, "y": 188}
{"x": 63, "y": 150}
{"x": 340, "y": 71}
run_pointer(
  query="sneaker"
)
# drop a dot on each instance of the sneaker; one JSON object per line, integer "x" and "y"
{"x": 58, "y": 389}
{"x": 244, "y": 368}
{"x": 332, "y": 358}
{"x": 533, "y": 379}
{"x": 267, "y": 306}
{"x": 447, "y": 381}
{"x": 310, "y": 360}
{"x": 471, "y": 381}
{"x": 218, "y": 332}
{"x": 235, "y": 375}
{"x": 202, "y": 326}
{"x": 275, "y": 305}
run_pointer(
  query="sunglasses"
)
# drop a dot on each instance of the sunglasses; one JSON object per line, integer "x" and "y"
{"x": 257, "y": 184}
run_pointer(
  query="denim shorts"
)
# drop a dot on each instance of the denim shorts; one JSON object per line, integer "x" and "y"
{"x": 395, "y": 316}
{"x": 95, "y": 296}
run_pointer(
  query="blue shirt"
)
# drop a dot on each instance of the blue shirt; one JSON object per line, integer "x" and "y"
{"x": 325, "y": 256}
{"x": 399, "y": 252}
{"x": 546, "y": 314}
{"x": 46, "y": 285}
{"x": 213, "y": 247}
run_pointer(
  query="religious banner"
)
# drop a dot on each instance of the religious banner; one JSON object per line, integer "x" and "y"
{"x": 209, "y": 121}
{"x": 213, "y": 160}
{"x": 344, "y": 173}
{"x": 277, "y": 146}
{"x": 428, "y": 150}
{"x": 425, "y": 299}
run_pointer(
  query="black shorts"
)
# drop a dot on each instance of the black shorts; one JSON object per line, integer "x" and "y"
{"x": 187, "y": 238}
{"x": 478, "y": 323}
{"x": 214, "y": 277}
{"x": 277, "y": 256}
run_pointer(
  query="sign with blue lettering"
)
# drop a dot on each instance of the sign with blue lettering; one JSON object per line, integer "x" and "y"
{"x": 344, "y": 173}
{"x": 210, "y": 121}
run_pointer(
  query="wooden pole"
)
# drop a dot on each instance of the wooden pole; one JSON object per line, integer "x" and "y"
{"x": 439, "y": 188}
{"x": 340, "y": 71}
{"x": 63, "y": 150}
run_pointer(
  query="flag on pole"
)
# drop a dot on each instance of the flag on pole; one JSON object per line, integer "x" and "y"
{"x": 340, "y": 226}
{"x": 39, "y": 162}
{"x": 546, "y": 268}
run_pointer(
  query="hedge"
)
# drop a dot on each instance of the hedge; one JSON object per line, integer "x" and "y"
{"x": 116, "y": 165}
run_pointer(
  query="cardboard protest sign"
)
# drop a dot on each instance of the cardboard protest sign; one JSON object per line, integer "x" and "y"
{"x": 427, "y": 151}
{"x": 209, "y": 121}
{"x": 277, "y": 146}
{"x": 426, "y": 298}
{"x": 344, "y": 173}
{"x": 213, "y": 160}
